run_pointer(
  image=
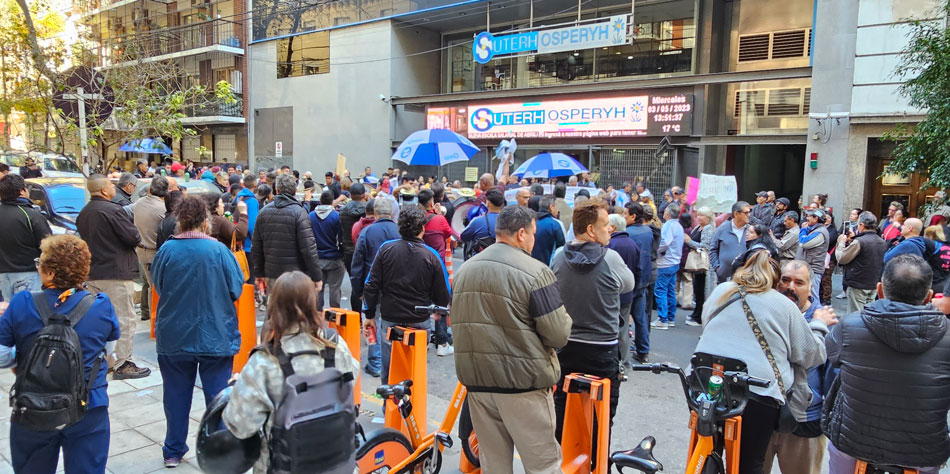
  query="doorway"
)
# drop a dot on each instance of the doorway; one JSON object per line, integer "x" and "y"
{"x": 883, "y": 188}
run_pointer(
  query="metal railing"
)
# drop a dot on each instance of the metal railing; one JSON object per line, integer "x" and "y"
{"x": 168, "y": 40}
{"x": 212, "y": 106}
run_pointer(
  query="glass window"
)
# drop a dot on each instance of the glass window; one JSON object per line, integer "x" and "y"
{"x": 768, "y": 107}
{"x": 303, "y": 55}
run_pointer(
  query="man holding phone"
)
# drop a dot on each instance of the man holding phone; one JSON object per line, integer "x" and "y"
{"x": 861, "y": 251}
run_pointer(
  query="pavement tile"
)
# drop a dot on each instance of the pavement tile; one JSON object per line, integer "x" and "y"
{"x": 5, "y": 468}
{"x": 125, "y": 441}
{"x": 145, "y": 459}
{"x": 117, "y": 387}
{"x": 126, "y": 400}
{"x": 156, "y": 432}
{"x": 184, "y": 468}
{"x": 138, "y": 416}
{"x": 154, "y": 379}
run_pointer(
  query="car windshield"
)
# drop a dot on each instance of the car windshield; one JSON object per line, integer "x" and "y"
{"x": 66, "y": 198}
{"x": 60, "y": 164}
{"x": 197, "y": 186}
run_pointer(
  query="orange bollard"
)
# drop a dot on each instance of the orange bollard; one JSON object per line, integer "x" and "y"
{"x": 408, "y": 362}
{"x": 152, "y": 308}
{"x": 588, "y": 399}
{"x": 247, "y": 325}
{"x": 348, "y": 324}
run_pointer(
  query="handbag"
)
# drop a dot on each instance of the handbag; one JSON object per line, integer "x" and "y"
{"x": 697, "y": 261}
{"x": 786, "y": 419}
{"x": 240, "y": 256}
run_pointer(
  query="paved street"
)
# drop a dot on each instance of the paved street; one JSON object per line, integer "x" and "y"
{"x": 649, "y": 405}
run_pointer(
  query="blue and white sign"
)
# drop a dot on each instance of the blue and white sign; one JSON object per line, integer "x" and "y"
{"x": 612, "y": 32}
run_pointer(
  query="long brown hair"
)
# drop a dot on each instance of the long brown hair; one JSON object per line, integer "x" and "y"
{"x": 759, "y": 275}
{"x": 293, "y": 302}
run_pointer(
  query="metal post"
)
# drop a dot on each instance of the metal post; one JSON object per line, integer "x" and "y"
{"x": 531, "y": 15}
{"x": 578, "y": 11}
{"x": 488, "y": 16}
{"x": 84, "y": 146}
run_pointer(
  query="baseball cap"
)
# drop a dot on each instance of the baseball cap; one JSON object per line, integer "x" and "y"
{"x": 234, "y": 179}
{"x": 761, "y": 194}
{"x": 176, "y": 167}
{"x": 817, "y": 213}
{"x": 784, "y": 201}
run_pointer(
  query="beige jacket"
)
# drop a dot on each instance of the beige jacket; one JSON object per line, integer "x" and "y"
{"x": 507, "y": 321}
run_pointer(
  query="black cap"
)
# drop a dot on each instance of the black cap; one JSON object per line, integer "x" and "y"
{"x": 357, "y": 189}
{"x": 234, "y": 179}
{"x": 761, "y": 194}
{"x": 784, "y": 201}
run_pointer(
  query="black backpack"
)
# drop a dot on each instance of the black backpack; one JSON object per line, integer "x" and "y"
{"x": 314, "y": 425}
{"x": 51, "y": 391}
{"x": 937, "y": 255}
{"x": 481, "y": 243}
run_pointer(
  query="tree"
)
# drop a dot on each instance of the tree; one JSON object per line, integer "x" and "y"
{"x": 924, "y": 147}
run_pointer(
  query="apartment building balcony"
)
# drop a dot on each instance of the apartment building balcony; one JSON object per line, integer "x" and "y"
{"x": 172, "y": 42}
{"x": 214, "y": 112}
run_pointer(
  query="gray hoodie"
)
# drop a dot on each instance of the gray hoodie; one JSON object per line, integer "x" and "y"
{"x": 590, "y": 280}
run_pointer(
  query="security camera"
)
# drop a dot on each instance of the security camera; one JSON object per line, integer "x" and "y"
{"x": 817, "y": 116}
{"x": 383, "y": 98}
{"x": 840, "y": 115}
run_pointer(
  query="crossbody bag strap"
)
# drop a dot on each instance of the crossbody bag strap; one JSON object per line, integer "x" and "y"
{"x": 42, "y": 306}
{"x": 757, "y": 331}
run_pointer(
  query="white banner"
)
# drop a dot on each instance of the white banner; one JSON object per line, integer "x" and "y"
{"x": 716, "y": 192}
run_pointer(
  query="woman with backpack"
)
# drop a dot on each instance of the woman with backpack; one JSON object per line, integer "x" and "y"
{"x": 63, "y": 266}
{"x": 294, "y": 326}
{"x": 196, "y": 330}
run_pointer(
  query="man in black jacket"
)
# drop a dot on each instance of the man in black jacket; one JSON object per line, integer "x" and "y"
{"x": 861, "y": 252}
{"x": 24, "y": 228}
{"x": 350, "y": 214}
{"x": 405, "y": 273}
{"x": 890, "y": 400}
{"x": 112, "y": 238}
{"x": 124, "y": 189}
{"x": 283, "y": 239}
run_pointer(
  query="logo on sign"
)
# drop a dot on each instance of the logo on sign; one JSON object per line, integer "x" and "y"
{"x": 563, "y": 163}
{"x": 619, "y": 29}
{"x": 406, "y": 152}
{"x": 635, "y": 110}
{"x": 379, "y": 457}
{"x": 482, "y": 48}
{"x": 482, "y": 120}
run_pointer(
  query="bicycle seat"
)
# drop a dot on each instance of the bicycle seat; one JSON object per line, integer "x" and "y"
{"x": 887, "y": 468}
{"x": 639, "y": 458}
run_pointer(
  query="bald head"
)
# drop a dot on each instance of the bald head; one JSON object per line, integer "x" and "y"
{"x": 486, "y": 182}
{"x": 912, "y": 227}
{"x": 99, "y": 185}
{"x": 172, "y": 184}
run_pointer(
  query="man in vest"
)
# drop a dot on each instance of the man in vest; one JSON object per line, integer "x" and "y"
{"x": 889, "y": 404}
{"x": 861, "y": 251}
{"x": 813, "y": 243}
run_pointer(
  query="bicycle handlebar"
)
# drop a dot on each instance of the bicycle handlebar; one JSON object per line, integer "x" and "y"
{"x": 741, "y": 380}
{"x": 432, "y": 309}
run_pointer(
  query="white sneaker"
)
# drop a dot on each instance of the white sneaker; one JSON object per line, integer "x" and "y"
{"x": 690, "y": 322}
{"x": 841, "y": 296}
{"x": 671, "y": 324}
{"x": 659, "y": 325}
{"x": 445, "y": 350}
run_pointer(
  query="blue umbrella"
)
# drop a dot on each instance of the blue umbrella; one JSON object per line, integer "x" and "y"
{"x": 147, "y": 145}
{"x": 549, "y": 165}
{"x": 437, "y": 147}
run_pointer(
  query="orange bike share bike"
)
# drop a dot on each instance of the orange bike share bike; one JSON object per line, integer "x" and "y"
{"x": 717, "y": 391}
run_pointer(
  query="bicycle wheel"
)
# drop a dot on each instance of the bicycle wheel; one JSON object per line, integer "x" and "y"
{"x": 383, "y": 449}
{"x": 467, "y": 436}
{"x": 714, "y": 465}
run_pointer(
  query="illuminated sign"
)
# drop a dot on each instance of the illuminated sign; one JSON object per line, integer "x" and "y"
{"x": 626, "y": 116}
{"x": 612, "y": 32}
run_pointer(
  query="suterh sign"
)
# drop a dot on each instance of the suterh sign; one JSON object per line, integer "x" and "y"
{"x": 612, "y": 32}
{"x": 626, "y": 116}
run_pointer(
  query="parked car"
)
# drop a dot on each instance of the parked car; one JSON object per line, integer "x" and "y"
{"x": 60, "y": 200}
{"x": 52, "y": 165}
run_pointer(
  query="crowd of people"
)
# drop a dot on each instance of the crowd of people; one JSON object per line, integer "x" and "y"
{"x": 549, "y": 286}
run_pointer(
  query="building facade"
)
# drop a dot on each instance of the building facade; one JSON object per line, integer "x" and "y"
{"x": 856, "y": 100}
{"x": 205, "y": 40}
{"x": 689, "y": 86}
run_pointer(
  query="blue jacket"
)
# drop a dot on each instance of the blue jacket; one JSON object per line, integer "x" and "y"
{"x": 642, "y": 236}
{"x": 208, "y": 176}
{"x": 816, "y": 376}
{"x": 370, "y": 240}
{"x": 328, "y": 232}
{"x": 253, "y": 207}
{"x": 621, "y": 243}
{"x": 198, "y": 281}
{"x": 21, "y": 321}
{"x": 914, "y": 245}
{"x": 548, "y": 238}
{"x": 724, "y": 250}
{"x": 480, "y": 227}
